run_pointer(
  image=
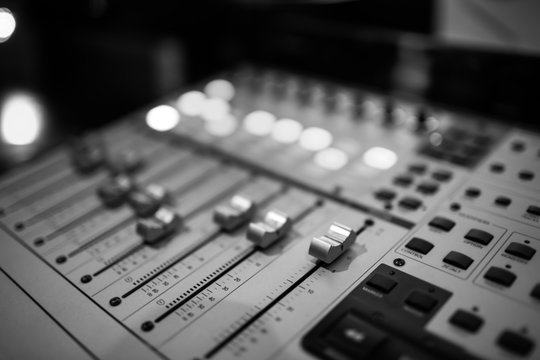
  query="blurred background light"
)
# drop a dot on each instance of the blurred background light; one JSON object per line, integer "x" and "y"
{"x": 221, "y": 89}
{"x": 259, "y": 123}
{"x": 331, "y": 159}
{"x": 287, "y": 131}
{"x": 191, "y": 103}
{"x": 315, "y": 139}
{"x": 222, "y": 128}
{"x": 215, "y": 109}
{"x": 162, "y": 118}
{"x": 7, "y": 24}
{"x": 380, "y": 158}
{"x": 21, "y": 119}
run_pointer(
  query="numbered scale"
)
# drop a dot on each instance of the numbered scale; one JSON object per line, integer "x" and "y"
{"x": 264, "y": 215}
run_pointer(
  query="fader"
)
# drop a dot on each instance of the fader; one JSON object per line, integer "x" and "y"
{"x": 266, "y": 215}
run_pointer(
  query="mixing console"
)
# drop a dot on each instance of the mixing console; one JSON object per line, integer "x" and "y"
{"x": 267, "y": 215}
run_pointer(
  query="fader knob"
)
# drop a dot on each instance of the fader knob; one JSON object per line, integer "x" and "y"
{"x": 274, "y": 226}
{"x": 335, "y": 242}
{"x": 164, "y": 222}
{"x": 239, "y": 210}
{"x": 88, "y": 157}
{"x": 127, "y": 161}
{"x": 148, "y": 200}
{"x": 114, "y": 191}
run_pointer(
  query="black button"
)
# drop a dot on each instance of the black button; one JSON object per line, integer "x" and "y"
{"x": 466, "y": 321}
{"x": 479, "y": 236}
{"x": 503, "y": 201}
{"x": 427, "y": 188}
{"x": 522, "y": 251}
{"x": 381, "y": 283}
{"x": 442, "y": 223}
{"x": 419, "y": 245}
{"x": 518, "y": 146}
{"x": 535, "y": 292}
{"x": 526, "y": 175}
{"x": 410, "y": 203}
{"x": 403, "y": 180}
{"x": 442, "y": 175}
{"x": 418, "y": 168}
{"x": 535, "y": 210}
{"x": 385, "y": 195}
{"x": 458, "y": 260}
{"x": 473, "y": 192}
{"x": 497, "y": 168}
{"x": 500, "y": 276}
{"x": 421, "y": 301}
{"x": 515, "y": 343}
{"x": 354, "y": 336}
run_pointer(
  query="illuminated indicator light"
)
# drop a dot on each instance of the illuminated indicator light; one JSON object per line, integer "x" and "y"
{"x": 191, "y": 103}
{"x": 222, "y": 128}
{"x": 21, "y": 119}
{"x": 215, "y": 109}
{"x": 331, "y": 159}
{"x": 162, "y": 118}
{"x": 221, "y": 89}
{"x": 7, "y": 24}
{"x": 380, "y": 158}
{"x": 315, "y": 139}
{"x": 287, "y": 131}
{"x": 259, "y": 123}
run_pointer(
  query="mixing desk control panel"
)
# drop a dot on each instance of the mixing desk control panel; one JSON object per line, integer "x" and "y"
{"x": 267, "y": 215}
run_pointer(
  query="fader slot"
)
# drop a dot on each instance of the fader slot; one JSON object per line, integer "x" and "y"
{"x": 35, "y": 171}
{"x": 153, "y": 172}
{"x": 261, "y": 191}
{"x": 218, "y": 187}
{"x": 235, "y": 300}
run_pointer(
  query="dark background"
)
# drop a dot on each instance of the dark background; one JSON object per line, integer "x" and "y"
{"x": 91, "y": 61}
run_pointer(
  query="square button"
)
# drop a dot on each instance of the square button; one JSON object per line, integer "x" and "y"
{"x": 354, "y": 336}
{"x": 381, "y": 283}
{"x": 503, "y": 201}
{"x": 418, "y": 168}
{"x": 385, "y": 194}
{"x": 479, "y": 236}
{"x": 535, "y": 292}
{"x": 403, "y": 180}
{"x": 500, "y": 276}
{"x": 419, "y": 245}
{"x": 442, "y": 223}
{"x": 410, "y": 203}
{"x": 442, "y": 175}
{"x": 515, "y": 343}
{"x": 521, "y": 251}
{"x": 458, "y": 260}
{"x": 427, "y": 188}
{"x": 534, "y": 210}
{"x": 421, "y": 301}
{"x": 466, "y": 321}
